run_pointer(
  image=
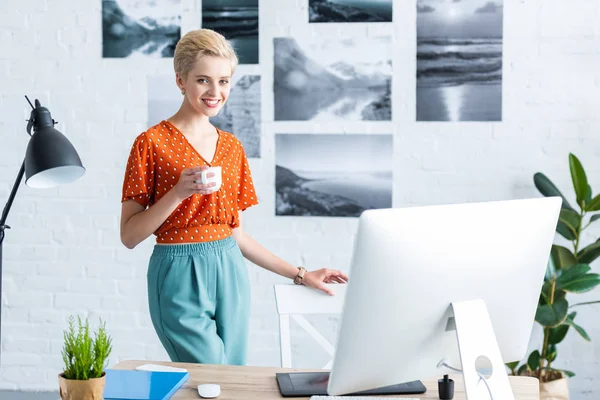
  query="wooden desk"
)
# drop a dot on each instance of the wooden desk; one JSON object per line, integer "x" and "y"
{"x": 259, "y": 383}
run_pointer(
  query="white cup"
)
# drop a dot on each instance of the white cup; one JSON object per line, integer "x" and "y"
{"x": 204, "y": 179}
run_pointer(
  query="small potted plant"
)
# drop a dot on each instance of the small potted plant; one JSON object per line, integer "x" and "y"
{"x": 568, "y": 272}
{"x": 85, "y": 359}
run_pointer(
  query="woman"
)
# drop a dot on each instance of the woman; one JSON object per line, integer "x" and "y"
{"x": 198, "y": 287}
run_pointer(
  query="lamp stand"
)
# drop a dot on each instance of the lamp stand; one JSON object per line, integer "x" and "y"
{"x": 3, "y": 227}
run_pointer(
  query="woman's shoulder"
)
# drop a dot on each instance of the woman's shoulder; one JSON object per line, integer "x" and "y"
{"x": 152, "y": 135}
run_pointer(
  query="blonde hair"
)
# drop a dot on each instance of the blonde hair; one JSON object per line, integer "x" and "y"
{"x": 198, "y": 43}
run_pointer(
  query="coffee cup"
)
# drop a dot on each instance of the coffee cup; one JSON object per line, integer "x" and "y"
{"x": 216, "y": 178}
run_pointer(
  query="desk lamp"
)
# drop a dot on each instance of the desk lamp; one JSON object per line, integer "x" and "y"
{"x": 50, "y": 160}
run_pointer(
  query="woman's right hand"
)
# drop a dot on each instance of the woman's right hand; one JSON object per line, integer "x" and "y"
{"x": 186, "y": 186}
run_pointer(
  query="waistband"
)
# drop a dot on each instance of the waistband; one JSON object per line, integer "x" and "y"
{"x": 193, "y": 233}
{"x": 186, "y": 249}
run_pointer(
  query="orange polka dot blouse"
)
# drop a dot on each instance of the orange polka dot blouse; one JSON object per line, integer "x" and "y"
{"x": 155, "y": 162}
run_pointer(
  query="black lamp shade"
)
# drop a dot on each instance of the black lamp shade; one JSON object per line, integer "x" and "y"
{"x": 51, "y": 159}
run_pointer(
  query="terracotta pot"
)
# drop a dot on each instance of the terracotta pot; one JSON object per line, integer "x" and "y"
{"x": 92, "y": 389}
{"x": 555, "y": 390}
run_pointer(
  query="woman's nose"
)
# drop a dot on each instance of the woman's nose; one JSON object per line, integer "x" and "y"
{"x": 212, "y": 89}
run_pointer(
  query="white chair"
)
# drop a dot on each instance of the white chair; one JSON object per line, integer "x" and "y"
{"x": 295, "y": 300}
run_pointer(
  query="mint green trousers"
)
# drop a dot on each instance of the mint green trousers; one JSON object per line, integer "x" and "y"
{"x": 199, "y": 299}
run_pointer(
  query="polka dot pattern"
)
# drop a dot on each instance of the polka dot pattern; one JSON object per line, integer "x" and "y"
{"x": 155, "y": 162}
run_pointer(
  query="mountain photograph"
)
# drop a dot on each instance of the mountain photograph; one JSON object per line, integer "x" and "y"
{"x": 140, "y": 28}
{"x": 333, "y": 79}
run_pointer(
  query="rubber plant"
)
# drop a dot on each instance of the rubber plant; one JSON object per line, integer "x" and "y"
{"x": 568, "y": 273}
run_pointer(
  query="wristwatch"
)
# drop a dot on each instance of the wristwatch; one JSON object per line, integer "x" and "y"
{"x": 300, "y": 277}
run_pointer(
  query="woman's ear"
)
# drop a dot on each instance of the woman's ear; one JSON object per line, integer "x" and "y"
{"x": 178, "y": 81}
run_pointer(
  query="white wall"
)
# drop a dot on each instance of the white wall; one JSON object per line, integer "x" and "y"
{"x": 63, "y": 255}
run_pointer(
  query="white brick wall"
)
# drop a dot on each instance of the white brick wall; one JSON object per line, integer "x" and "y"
{"x": 63, "y": 255}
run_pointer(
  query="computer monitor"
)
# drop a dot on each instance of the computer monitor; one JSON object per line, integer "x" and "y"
{"x": 411, "y": 264}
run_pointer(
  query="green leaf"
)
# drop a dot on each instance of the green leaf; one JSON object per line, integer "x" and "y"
{"x": 579, "y": 330}
{"x": 512, "y": 365}
{"x": 556, "y": 335}
{"x": 547, "y": 188}
{"x": 552, "y": 315}
{"x": 587, "y": 199}
{"x": 588, "y": 254}
{"x": 570, "y": 374}
{"x": 571, "y": 219}
{"x": 577, "y": 280}
{"x": 563, "y": 258}
{"x": 550, "y": 270}
{"x": 594, "y": 217}
{"x": 564, "y": 231}
{"x": 583, "y": 284}
{"x": 533, "y": 362}
{"x": 594, "y": 204}
{"x": 551, "y": 353}
{"x": 575, "y": 271}
{"x": 580, "y": 183}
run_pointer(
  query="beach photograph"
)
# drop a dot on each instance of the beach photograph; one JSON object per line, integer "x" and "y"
{"x": 459, "y": 60}
{"x": 237, "y": 20}
{"x": 240, "y": 115}
{"x": 350, "y": 10}
{"x": 332, "y": 175}
{"x": 140, "y": 28}
{"x": 333, "y": 79}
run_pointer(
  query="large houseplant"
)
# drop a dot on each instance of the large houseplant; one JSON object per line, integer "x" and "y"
{"x": 568, "y": 272}
{"x": 85, "y": 359}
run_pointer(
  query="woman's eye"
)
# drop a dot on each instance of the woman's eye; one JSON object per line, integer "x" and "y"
{"x": 224, "y": 82}
{"x": 202, "y": 80}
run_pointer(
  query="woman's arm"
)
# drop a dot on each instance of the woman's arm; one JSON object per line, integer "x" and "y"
{"x": 260, "y": 256}
{"x": 138, "y": 222}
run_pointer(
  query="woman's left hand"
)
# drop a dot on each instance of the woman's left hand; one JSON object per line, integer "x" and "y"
{"x": 317, "y": 279}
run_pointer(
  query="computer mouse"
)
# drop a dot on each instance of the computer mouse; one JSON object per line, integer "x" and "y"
{"x": 209, "y": 390}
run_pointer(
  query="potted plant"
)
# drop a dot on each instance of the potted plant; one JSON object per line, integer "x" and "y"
{"x": 85, "y": 359}
{"x": 568, "y": 272}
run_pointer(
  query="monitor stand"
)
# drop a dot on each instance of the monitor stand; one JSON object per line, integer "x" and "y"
{"x": 476, "y": 344}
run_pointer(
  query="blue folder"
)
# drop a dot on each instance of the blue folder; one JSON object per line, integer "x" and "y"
{"x": 142, "y": 385}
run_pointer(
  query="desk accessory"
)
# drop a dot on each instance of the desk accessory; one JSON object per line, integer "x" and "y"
{"x": 142, "y": 385}
{"x": 50, "y": 160}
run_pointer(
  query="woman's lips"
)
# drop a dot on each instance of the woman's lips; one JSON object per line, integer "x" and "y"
{"x": 211, "y": 103}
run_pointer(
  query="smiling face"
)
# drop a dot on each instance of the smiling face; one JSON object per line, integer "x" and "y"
{"x": 207, "y": 85}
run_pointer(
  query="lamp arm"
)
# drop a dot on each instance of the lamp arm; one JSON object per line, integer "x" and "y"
{"x": 11, "y": 198}
{"x": 3, "y": 227}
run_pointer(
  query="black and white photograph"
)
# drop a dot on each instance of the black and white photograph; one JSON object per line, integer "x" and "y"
{"x": 240, "y": 115}
{"x": 333, "y": 79}
{"x": 237, "y": 20}
{"x": 140, "y": 28}
{"x": 332, "y": 175}
{"x": 350, "y": 10}
{"x": 459, "y": 60}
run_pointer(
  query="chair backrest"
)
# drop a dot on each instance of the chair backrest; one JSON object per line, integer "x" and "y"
{"x": 295, "y": 300}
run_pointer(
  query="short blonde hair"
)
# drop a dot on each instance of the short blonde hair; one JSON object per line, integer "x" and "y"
{"x": 198, "y": 43}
